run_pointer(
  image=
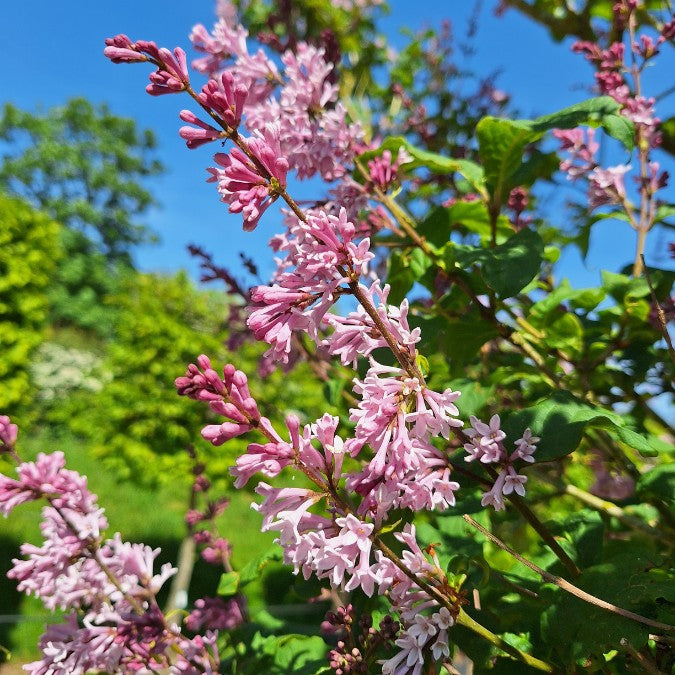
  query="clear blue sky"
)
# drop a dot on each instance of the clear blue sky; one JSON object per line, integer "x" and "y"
{"x": 53, "y": 51}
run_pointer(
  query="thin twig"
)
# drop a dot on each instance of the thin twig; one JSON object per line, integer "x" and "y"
{"x": 659, "y": 311}
{"x": 644, "y": 662}
{"x": 567, "y": 586}
{"x": 468, "y": 622}
{"x": 611, "y": 509}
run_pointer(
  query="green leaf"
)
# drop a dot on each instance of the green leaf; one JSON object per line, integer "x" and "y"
{"x": 228, "y": 584}
{"x": 592, "y": 111}
{"x": 667, "y": 129}
{"x": 664, "y": 211}
{"x": 584, "y": 530}
{"x": 436, "y": 227}
{"x": 474, "y": 396}
{"x": 587, "y": 298}
{"x": 565, "y": 333}
{"x": 419, "y": 263}
{"x": 463, "y": 339}
{"x": 399, "y": 276}
{"x": 635, "y": 441}
{"x": 537, "y": 165}
{"x": 333, "y": 390}
{"x": 254, "y": 567}
{"x": 298, "y": 654}
{"x": 601, "y": 111}
{"x": 470, "y": 216}
{"x": 621, "y": 128}
{"x": 582, "y": 298}
{"x": 501, "y": 142}
{"x": 622, "y": 287}
{"x": 500, "y": 145}
{"x": 434, "y": 162}
{"x": 509, "y": 267}
{"x": 659, "y": 482}
{"x": 459, "y": 340}
{"x": 630, "y": 577}
{"x": 559, "y": 421}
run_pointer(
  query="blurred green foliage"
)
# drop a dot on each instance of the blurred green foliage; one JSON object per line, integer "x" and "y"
{"x": 29, "y": 251}
{"x": 84, "y": 166}
{"x": 136, "y": 422}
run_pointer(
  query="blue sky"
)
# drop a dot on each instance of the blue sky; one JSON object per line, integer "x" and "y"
{"x": 53, "y": 51}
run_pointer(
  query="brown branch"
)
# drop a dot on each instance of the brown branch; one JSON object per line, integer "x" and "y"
{"x": 567, "y": 586}
{"x": 659, "y": 311}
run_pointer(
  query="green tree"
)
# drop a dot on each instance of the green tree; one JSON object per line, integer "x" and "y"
{"x": 84, "y": 278}
{"x": 136, "y": 422}
{"x": 29, "y": 251}
{"x": 84, "y": 166}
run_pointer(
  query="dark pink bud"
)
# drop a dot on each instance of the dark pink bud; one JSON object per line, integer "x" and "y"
{"x": 8, "y": 433}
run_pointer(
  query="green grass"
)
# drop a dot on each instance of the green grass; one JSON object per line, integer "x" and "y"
{"x": 154, "y": 517}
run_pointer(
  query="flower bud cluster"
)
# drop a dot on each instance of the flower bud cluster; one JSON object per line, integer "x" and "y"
{"x": 613, "y": 75}
{"x": 8, "y": 434}
{"x": 171, "y": 75}
{"x": 359, "y": 641}
{"x": 383, "y": 170}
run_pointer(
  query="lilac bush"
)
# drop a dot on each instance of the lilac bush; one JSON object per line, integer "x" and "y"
{"x": 371, "y": 481}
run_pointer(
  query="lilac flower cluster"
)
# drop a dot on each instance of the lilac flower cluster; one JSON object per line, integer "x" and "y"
{"x": 107, "y": 587}
{"x": 486, "y": 446}
{"x": 343, "y": 547}
{"x": 332, "y": 530}
{"x": 617, "y": 78}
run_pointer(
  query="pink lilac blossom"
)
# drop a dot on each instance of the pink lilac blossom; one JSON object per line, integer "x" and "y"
{"x": 171, "y": 75}
{"x": 258, "y": 74}
{"x": 270, "y": 458}
{"x": 486, "y": 445}
{"x": 267, "y": 458}
{"x": 46, "y": 477}
{"x": 581, "y": 151}
{"x": 517, "y": 202}
{"x": 217, "y": 552}
{"x": 384, "y": 171}
{"x": 240, "y": 181}
{"x": 111, "y": 584}
{"x": 231, "y": 398}
{"x": 195, "y": 137}
{"x": 396, "y": 417}
{"x": 352, "y": 196}
{"x": 357, "y": 335}
{"x": 610, "y": 483}
{"x": 611, "y": 81}
{"x": 316, "y": 136}
{"x": 224, "y": 42}
{"x": 606, "y": 186}
{"x": 640, "y": 111}
{"x": 338, "y": 550}
{"x": 8, "y": 433}
{"x": 225, "y": 98}
{"x": 324, "y": 256}
{"x": 423, "y": 634}
{"x": 215, "y": 614}
{"x": 68, "y": 648}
